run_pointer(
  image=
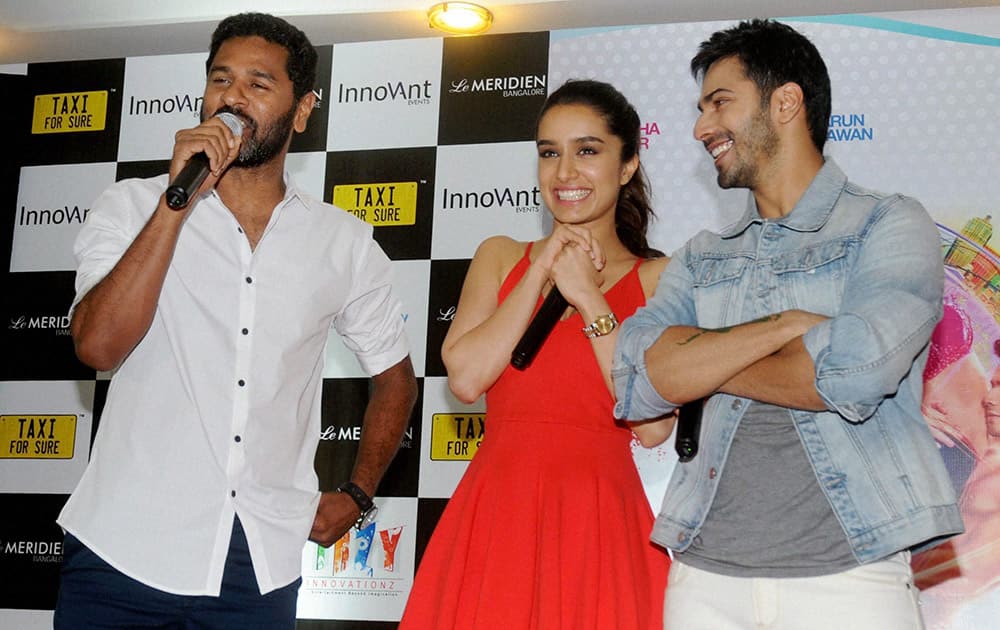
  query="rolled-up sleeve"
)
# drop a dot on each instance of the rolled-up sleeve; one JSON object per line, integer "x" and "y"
{"x": 890, "y": 306}
{"x": 371, "y": 322}
{"x": 115, "y": 218}
{"x": 672, "y": 304}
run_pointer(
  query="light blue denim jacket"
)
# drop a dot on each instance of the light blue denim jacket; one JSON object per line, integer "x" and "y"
{"x": 870, "y": 262}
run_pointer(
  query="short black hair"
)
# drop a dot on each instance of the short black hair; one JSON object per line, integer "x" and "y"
{"x": 773, "y": 54}
{"x": 302, "y": 57}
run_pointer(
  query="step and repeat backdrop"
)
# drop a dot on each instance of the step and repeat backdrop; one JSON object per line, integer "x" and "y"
{"x": 431, "y": 141}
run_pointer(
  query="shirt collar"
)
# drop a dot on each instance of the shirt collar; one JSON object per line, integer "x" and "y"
{"x": 812, "y": 210}
{"x": 292, "y": 191}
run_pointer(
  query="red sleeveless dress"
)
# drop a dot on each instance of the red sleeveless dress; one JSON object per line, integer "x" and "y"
{"x": 549, "y": 527}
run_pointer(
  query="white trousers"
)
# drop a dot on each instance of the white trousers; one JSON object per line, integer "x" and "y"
{"x": 876, "y": 596}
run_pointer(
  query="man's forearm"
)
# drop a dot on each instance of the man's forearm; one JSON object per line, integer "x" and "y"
{"x": 386, "y": 419}
{"x": 114, "y": 315}
{"x": 785, "y": 378}
{"x": 686, "y": 363}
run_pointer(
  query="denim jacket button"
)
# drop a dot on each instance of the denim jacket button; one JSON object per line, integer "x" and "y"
{"x": 735, "y": 405}
{"x": 711, "y": 473}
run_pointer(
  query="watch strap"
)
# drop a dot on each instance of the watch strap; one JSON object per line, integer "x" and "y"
{"x": 359, "y": 496}
{"x": 601, "y": 326}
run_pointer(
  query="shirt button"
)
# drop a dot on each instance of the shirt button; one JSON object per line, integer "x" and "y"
{"x": 240, "y": 230}
{"x": 712, "y": 473}
{"x": 249, "y": 280}
{"x": 238, "y": 439}
{"x": 241, "y": 382}
{"x": 245, "y": 331}
{"x": 232, "y": 493}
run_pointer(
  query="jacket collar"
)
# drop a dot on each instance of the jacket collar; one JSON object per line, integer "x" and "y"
{"x": 811, "y": 212}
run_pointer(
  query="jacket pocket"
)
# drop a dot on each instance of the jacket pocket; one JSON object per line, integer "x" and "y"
{"x": 718, "y": 284}
{"x": 813, "y": 278}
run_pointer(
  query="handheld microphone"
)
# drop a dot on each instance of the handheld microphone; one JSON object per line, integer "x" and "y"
{"x": 180, "y": 191}
{"x": 538, "y": 330}
{"x": 688, "y": 429}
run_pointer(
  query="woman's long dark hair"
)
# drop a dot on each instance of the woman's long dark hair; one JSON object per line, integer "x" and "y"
{"x": 633, "y": 211}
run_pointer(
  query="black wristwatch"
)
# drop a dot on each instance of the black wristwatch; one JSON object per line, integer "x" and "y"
{"x": 364, "y": 502}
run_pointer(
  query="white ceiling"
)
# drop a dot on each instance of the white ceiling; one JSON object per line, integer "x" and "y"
{"x": 51, "y": 30}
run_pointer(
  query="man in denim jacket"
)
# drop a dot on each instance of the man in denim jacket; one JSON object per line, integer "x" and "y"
{"x": 805, "y": 326}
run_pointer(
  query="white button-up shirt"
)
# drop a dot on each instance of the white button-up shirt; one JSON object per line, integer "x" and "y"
{"x": 216, "y": 412}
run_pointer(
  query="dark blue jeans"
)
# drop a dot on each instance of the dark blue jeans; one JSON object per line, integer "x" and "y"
{"x": 93, "y": 594}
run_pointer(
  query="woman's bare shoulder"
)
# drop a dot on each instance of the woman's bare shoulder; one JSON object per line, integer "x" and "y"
{"x": 649, "y": 273}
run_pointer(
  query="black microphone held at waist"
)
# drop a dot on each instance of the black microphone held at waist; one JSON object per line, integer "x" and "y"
{"x": 187, "y": 182}
{"x": 538, "y": 330}
{"x": 688, "y": 429}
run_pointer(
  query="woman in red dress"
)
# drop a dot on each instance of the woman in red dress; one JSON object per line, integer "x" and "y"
{"x": 548, "y": 529}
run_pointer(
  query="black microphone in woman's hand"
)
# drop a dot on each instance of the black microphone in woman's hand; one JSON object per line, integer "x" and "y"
{"x": 538, "y": 330}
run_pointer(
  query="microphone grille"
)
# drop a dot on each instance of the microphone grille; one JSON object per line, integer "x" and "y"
{"x": 234, "y": 122}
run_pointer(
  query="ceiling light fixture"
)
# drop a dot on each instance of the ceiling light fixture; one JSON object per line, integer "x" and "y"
{"x": 461, "y": 18}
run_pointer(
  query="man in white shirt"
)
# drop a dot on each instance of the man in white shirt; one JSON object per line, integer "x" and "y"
{"x": 201, "y": 490}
